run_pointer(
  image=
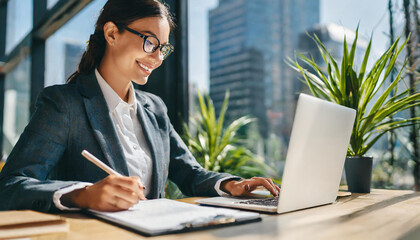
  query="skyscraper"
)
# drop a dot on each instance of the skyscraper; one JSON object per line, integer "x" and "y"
{"x": 239, "y": 57}
{"x": 249, "y": 41}
{"x": 293, "y": 18}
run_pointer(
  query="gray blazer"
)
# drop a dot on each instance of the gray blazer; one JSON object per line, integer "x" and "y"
{"x": 73, "y": 117}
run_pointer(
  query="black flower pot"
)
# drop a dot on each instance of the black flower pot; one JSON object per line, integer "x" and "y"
{"x": 358, "y": 174}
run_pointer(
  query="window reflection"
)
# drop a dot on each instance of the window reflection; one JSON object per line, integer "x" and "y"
{"x": 65, "y": 47}
{"x": 19, "y": 21}
{"x": 241, "y": 46}
{"x": 16, "y": 104}
{"x": 247, "y": 42}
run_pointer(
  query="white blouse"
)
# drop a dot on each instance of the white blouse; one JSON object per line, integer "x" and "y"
{"x": 131, "y": 137}
{"x": 129, "y": 132}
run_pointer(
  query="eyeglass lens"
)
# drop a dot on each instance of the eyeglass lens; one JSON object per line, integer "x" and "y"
{"x": 151, "y": 44}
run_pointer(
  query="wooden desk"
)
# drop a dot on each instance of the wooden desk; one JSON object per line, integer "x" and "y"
{"x": 382, "y": 214}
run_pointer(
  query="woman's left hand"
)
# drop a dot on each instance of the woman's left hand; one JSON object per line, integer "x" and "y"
{"x": 246, "y": 186}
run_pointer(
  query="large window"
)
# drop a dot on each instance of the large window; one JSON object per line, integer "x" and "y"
{"x": 66, "y": 46}
{"x": 48, "y": 52}
{"x": 17, "y": 81}
{"x": 241, "y": 46}
{"x": 16, "y": 109}
{"x": 238, "y": 46}
{"x": 63, "y": 51}
{"x": 19, "y": 22}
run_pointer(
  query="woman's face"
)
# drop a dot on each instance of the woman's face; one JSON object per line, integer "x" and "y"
{"x": 130, "y": 60}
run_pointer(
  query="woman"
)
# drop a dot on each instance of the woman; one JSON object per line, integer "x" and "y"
{"x": 99, "y": 110}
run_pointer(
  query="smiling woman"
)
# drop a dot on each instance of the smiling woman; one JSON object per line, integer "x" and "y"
{"x": 99, "y": 110}
{"x": 126, "y": 59}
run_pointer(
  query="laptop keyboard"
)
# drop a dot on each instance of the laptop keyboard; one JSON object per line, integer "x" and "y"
{"x": 273, "y": 201}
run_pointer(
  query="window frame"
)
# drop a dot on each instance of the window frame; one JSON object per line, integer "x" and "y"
{"x": 46, "y": 22}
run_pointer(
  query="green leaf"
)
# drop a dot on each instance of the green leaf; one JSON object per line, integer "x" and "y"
{"x": 216, "y": 147}
{"x": 368, "y": 88}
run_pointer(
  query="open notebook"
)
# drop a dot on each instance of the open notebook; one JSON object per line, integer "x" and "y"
{"x": 164, "y": 216}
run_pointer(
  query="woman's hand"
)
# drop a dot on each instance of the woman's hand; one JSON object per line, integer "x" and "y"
{"x": 113, "y": 193}
{"x": 246, "y": 186}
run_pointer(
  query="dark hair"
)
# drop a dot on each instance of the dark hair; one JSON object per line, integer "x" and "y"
{"x": 121, "y": 13}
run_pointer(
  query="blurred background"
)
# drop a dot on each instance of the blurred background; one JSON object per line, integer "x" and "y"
{"x": 220, "y": 45}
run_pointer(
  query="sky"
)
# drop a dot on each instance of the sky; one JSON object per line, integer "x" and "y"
{"x": 372, "y": 16}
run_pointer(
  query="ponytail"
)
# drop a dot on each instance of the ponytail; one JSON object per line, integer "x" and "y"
{"x": 121, "y": 13}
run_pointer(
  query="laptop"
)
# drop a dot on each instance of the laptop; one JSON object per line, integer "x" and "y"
{"x": 315, "y": 160}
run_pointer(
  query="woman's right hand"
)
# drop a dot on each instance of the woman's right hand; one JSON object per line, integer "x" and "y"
{"x": 113, "y": 193}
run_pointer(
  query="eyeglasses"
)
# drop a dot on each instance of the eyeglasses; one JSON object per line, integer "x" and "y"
{"x": 151, "y": 44}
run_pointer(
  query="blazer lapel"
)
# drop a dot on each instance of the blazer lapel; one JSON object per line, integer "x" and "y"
{"x": 150, "y": 128}
{"x": 102, "y": 126}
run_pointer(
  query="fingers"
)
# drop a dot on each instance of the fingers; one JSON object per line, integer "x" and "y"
{"x": 113, "y": 193}
{"x": 245, "y": 187}
{"x": 130, "y": 185}
{"x": 118, "y": 204}
{"x": 124, "y": 194}
{"x": 265, "y": 182}
{"x": 277, "y": 187}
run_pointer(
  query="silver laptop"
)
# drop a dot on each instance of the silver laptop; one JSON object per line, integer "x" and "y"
{"x": 315, "y": 160}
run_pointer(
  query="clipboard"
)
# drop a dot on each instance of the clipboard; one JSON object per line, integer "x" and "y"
{"x": 149, "y": 218}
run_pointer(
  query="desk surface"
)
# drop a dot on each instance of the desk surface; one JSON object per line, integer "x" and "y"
{"x": 382, "y": 214}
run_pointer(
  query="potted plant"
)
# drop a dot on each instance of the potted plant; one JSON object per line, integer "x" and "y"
{"x": 363, "y": 92}
{"x": 220, "y": 148}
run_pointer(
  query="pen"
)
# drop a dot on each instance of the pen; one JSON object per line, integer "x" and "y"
{"x": 89, "y": 156}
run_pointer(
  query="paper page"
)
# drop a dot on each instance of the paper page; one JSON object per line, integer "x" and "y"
{"x": 164, "y": 214}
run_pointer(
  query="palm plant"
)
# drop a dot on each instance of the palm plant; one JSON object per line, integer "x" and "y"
{"x": 218, "y": 148}
{"x": 346, "y": 87}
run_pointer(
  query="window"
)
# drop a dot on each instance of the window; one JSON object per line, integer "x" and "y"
{"x": 19, "y": 22}
{"x": 61, "y": 51}
{"x": 16, "y": 104}
{"x": 241, "y": 46}
{"x": 66, "y": 46}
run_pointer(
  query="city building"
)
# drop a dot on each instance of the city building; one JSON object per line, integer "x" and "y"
{"x": 249, "y": 41}
{"x": 239, "y": 42}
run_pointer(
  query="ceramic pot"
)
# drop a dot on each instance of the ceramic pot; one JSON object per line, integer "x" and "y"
{"x": 358, "y": 173}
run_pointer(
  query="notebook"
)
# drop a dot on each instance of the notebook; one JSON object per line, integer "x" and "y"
{"x": 315, "y": 160}
{"x": 164, "y": 216}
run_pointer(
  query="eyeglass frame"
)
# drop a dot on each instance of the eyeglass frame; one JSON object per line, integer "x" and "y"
{"x": 160, "y": 46}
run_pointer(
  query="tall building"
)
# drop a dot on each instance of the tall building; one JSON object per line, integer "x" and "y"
{"x": 239, "y": 61}
{"x": 293, "y": 18}
{"x": 249, "y": 41}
